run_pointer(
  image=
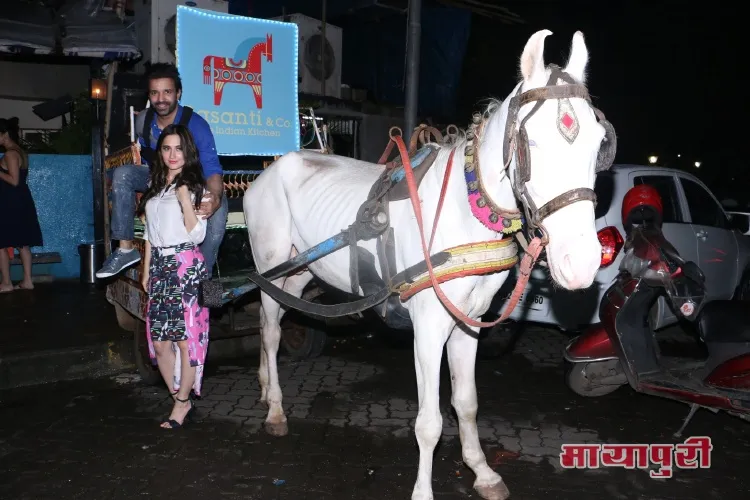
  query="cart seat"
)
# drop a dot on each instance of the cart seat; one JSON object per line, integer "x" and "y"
{"x": 236, "y": 220}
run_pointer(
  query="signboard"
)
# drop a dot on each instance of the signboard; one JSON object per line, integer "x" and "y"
{"x": 240, "y": 74}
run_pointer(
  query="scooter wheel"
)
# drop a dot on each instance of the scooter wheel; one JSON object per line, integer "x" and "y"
{"x": 577, "y": 378}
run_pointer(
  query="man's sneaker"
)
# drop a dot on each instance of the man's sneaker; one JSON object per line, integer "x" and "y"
{"x": 117, "y": 261}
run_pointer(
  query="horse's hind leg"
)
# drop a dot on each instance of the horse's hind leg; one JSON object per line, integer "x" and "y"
{"x": 290, "y": 285}
{"x": 271, "y": 314}
{"x": 269, "y": 227}
{"x": 270, "y": 332}
{"x": 462, "y": 351}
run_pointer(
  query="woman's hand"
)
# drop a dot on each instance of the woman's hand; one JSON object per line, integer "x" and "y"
{"x": 144, "y": 280}
{"x": 190, "y": 217}
{"x": 183, "y": 195}
{"x": 146, "y": 266}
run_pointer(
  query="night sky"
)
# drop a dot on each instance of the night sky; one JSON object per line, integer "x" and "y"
{"x": 666, "y": 74}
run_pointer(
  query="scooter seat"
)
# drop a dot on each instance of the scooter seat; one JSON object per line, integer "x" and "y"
{"x": 725, "y": 321}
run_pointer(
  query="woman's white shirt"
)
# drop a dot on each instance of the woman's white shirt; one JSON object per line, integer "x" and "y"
{"x": 165, "y": 223}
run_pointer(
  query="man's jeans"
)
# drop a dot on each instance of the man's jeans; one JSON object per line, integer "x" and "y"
{"x": 129, "y": 179}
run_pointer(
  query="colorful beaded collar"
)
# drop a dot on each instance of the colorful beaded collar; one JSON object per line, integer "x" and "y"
{"x": 484, "y": 209}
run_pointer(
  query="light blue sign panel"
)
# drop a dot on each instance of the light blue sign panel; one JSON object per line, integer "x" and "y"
{"x": 240, "y": 74}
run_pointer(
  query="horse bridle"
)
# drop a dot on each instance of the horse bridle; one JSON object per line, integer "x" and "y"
{"x": 561, "y": 87}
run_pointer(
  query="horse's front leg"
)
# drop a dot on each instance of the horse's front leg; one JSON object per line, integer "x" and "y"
{"x": 462, "y": 351}
{"x": 432, "y": 325}
{"x": 263, "y": 374}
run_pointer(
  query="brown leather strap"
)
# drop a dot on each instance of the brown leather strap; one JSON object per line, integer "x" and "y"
{"x": 421, "y": 134}
{"x": 565, "y": 199}
{"x": 556, "y": 92}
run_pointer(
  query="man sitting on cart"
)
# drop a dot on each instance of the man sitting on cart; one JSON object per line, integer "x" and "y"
{"x": 164, "y": 92}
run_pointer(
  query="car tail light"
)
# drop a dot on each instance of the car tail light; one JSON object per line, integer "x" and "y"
{"x": 611, "y": 243}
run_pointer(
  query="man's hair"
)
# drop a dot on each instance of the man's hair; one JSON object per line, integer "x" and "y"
{"x": 165, "y": 70}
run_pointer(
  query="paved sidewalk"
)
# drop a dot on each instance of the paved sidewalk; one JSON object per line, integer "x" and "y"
{"x": 351, "y": 436}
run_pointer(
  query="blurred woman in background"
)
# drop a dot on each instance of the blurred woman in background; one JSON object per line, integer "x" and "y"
{"x": 19, "y": 225}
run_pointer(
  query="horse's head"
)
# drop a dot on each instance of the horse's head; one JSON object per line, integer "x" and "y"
{"x": 560, "y": 141}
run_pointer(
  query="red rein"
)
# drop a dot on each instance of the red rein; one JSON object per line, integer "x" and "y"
{"x": 527, "y": 262}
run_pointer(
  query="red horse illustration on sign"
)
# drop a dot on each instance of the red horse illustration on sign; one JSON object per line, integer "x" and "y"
{"x": 244, "y": 71}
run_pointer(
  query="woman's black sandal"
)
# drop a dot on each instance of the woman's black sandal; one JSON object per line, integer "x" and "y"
{"x": 174, "y": 424}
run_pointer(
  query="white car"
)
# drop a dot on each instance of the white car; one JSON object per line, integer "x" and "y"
{"x": 694, "y": 222}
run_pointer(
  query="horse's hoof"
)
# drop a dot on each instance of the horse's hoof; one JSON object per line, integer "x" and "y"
{"x": 497, "y": 491}
{"x": 263, "y": 402}
{"x": 280, "y": 429}
{"x": 421, "y": 495}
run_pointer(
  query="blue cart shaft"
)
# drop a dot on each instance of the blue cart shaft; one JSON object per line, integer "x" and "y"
{"x": 319, "y": 251}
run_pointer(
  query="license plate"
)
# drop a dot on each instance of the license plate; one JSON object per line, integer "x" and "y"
{"x": 534, "y": 302}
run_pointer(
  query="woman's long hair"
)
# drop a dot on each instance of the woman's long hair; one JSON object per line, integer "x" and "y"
{"x": 191, "y": 175}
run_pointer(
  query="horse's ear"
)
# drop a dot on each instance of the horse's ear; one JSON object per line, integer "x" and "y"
{"x": 579, "y": 58}
{"x": 532, "y": 59}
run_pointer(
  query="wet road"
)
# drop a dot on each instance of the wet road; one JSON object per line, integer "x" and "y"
{"x": 351, "y": 416}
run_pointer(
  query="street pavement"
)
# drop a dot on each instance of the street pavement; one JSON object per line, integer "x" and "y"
{"x": 351, "y": 420}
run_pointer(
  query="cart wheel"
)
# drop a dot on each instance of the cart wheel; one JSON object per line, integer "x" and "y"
{"x": 581, "y": 378}
{"x": 498, "y": 341}
{"x": 148, "y": 372}
{"x": 303, "y": 342}
{"x": 126, "y": 320}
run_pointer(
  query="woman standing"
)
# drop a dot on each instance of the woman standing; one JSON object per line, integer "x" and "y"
{"x": 19, "y": 226}
{"x": 173, "y": 267}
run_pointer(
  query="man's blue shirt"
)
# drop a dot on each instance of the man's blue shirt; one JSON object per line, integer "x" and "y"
{"x": 203, "y": 137}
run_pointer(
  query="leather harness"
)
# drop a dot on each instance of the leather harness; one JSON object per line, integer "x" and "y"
{"x": 372, "y": 220}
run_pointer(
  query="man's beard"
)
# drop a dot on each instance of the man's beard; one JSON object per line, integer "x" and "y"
{"x": 170, "y": 108}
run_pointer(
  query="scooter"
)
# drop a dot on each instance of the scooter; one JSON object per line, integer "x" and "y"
{"x": 622, "y": 349}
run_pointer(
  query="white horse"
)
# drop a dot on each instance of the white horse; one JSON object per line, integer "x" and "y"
{"x": 306, "y": 197}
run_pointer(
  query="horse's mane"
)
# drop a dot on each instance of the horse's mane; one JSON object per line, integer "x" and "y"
{"x": 457, "y": 139}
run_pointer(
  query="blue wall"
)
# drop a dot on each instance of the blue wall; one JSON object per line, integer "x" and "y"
{"x": 63, "y": 194}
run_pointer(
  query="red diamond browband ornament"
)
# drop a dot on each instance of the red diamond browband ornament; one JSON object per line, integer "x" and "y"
{"x": 567, "y": 123}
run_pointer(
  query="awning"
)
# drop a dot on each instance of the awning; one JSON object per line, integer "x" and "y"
{"x": 29, "y": 30}
{"x": 18, "y": 37}
{"x": 104, "y": 41}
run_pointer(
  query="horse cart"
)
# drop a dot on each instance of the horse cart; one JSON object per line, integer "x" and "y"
{"x": 302, "y": 338}
{"x": 523, "y": 170}
{"x": 376, "y": 233}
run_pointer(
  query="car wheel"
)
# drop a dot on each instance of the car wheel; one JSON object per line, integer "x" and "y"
{"x": 743, "y": 289}
{"x": 581, "y": 378}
